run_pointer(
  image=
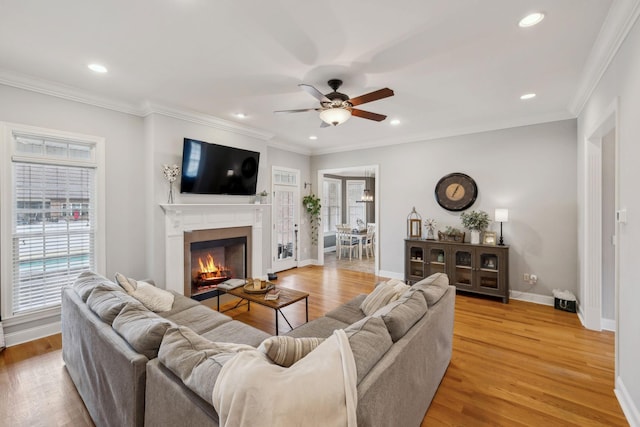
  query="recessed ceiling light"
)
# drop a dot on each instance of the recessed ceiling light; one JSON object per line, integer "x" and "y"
{"x": 394, "y": 122}
{"x": 528, "y": 96}
{"x": 240, "y": 115}
{"x": 531, "y": 19}
{"x": 313, "y": 137}
{"x": 98, "y": 68}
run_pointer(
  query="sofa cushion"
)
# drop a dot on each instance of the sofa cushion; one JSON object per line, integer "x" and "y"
{"x": 322, "y": 327}
{"x": 349, "y": 312}
{"x": 285, "y": 351}
{"x": 369, "y": 340}
{"x": 432, "y": 287}
{"x": 379, "y": 297}
{"x": 87, "y": 282}
{"x": 401, "y": 315}
{"x": 141, "y": 328}
{"x": 155, "y": 299}
{"x": 199, "y": 318}
{"x": 236, "y": 332}
{"x": 107, "y": 303}
{"x": 180, "y": 303}
{"x": 196, "y": 360}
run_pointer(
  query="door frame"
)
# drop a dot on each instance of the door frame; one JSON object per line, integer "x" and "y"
{"x": 376, "y": 169}
{"x": 297, "y": 203}
{"x": 590, "y": 311}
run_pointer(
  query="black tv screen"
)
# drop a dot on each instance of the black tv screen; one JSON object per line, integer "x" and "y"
{"x": 218, "y": 169}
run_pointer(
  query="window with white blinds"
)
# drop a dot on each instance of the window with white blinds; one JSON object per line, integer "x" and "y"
{"x": 331, "y": 204}
{"x": 355, "y": 210}
{"x": 53, "y": 216}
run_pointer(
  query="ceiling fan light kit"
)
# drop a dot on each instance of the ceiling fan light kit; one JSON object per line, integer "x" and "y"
{"x": 335, "y": 116}
{"x": 336, "y": 108}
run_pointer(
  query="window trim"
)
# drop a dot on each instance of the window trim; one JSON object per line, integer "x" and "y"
{"x": 338, "y": 182}
{"x": 7, "y": 155}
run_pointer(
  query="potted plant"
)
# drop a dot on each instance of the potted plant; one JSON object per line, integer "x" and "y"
{"x": 476, "y": 221}
{"x": 263, "y": 196}
{"x": 312, "y": 205}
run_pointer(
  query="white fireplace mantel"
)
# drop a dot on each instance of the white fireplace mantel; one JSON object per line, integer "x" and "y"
{"x": 189, "y": 217}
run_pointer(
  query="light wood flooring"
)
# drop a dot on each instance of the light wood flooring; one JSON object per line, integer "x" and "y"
{"x": 513, "y": 364}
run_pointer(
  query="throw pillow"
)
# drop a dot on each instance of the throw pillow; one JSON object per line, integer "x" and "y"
{"x": 142, "y": 329}
{"x": 401, "y": 315}
{"x": 379, "y": 297}
{"x": 285, "y": 351}
{"x": 155, "y": 299}
{"x": 129, "y": 285}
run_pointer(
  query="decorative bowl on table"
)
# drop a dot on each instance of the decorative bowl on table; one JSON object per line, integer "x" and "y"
{"x": 250, "y": 289}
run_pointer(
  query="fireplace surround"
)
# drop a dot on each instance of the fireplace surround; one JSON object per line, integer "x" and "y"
{"x": 219, "y": 221}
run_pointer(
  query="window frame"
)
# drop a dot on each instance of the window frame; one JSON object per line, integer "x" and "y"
{"x": 338, "y": 183}
{"x": 353, "y": 203}
{"x": 9, "y": 154}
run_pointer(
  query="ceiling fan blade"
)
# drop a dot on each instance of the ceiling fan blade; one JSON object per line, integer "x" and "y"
{"x": 371, "y": 96}
{"x": 296, "y": 111}
{"x": 314, "y": 92}
{"x": 368, "y": 115}
{"x": 324, "y": 124}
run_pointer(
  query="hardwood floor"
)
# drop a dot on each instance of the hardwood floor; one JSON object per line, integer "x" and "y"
{"x": 513, "y": 364}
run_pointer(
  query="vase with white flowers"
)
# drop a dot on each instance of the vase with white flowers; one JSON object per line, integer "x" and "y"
{"x": 170, "y": 174}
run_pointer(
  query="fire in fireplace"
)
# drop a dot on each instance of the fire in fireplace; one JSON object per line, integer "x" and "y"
{"x": 210, "y": 273}
{"x": 215, "y": 261}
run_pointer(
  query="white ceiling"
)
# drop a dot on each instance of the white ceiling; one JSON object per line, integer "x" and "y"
{"x": 456, "y": 66}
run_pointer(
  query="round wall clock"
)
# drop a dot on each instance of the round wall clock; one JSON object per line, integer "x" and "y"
{"x": 456, "y": 191}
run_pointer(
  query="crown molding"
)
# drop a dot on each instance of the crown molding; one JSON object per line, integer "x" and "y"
{"x": 619, "y": 21}
{"x": 33, "y": 84}
{"x": 205, "y": 119}
{"x": 496, "y": 125}
{"x": 69, "y": 93}
{"x": 291, "y": 147}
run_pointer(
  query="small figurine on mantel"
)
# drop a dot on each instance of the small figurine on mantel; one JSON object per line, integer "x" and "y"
{"x": 430, "y": 225}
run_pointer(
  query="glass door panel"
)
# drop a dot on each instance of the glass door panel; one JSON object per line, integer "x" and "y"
{"x": 285, "y": 212}
{"x": 463, "y": 269}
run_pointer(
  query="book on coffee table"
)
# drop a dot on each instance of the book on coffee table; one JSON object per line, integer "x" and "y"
{"x": 273, "y": 294}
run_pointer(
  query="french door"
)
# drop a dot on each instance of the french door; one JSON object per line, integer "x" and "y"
{"x": 285, "y": 218}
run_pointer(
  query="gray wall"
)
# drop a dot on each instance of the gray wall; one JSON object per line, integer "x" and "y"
{"x": 530, "y": 170}
{"x": 125, "y": 166}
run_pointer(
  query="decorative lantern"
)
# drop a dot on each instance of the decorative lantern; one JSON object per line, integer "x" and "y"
{"x": 414, "y": 224}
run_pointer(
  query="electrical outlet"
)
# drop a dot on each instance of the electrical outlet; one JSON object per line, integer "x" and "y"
{"x": 533, "y": 279}
{"x": 525, "y": 277}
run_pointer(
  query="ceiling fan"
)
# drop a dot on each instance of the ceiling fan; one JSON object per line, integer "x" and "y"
{"x": 336, "y": 108}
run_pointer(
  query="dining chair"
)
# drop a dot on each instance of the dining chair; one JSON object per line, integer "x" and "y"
{"x": 368, "y": 247}
{"x": 345, "y": 241}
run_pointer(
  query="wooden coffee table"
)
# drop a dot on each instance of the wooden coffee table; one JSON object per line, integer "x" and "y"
{"x": 287, "y": 297}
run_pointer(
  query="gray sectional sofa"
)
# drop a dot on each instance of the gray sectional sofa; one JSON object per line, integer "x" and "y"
{"x": 110, "y": 344}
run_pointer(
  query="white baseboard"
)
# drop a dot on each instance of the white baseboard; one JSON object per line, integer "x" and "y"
{"x": 31, "y": 334}
{"x": 306, "y": 262}
{"x": 608, "y": 324}
{"x": 391, "y": 274}
{"x": 629, "y": 408}
{"x": 529, "y": 297}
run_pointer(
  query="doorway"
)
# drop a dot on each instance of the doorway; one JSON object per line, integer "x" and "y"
{"x": 341, "y": 206}
{"x": 285, "y": 217}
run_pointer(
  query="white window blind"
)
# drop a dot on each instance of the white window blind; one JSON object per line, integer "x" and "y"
{"x": 53, "y": 219}
{"x": 331, "y": 204}
{"x": 355, "y": 211}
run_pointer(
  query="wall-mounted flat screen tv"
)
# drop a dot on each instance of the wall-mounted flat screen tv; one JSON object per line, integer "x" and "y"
{"x": 217, "y": 169}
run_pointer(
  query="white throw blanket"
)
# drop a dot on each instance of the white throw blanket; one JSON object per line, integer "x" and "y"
{"x": 318, "y": 390}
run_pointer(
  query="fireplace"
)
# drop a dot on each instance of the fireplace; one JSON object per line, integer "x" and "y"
{"x": 214, "y": 256}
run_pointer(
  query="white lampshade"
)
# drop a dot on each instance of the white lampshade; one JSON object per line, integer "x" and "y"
{"x": 502, "y": 215}
{"x": 335, "y": 116}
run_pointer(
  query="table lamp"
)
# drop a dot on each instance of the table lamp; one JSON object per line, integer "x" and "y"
{"x": 501, "y": 215}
